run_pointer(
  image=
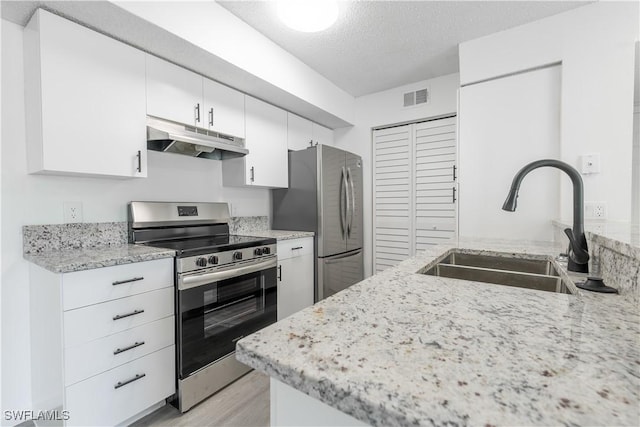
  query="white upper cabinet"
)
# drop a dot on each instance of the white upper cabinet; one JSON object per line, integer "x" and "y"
{"x": 174, "y": 93}
{"x": 322, "y": 135}
{"x": 223, "y": 109}
{"x": 303, "y": 133}
{"x": 180, "y": 95}
{"x": 299, "y": 132}
{"x": 85, "y": 101}
{"x": 266, "y": 165}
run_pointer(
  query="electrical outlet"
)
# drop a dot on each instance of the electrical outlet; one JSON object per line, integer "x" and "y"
{"x": 72, "y": 212}
{"x": 595, "y": 210}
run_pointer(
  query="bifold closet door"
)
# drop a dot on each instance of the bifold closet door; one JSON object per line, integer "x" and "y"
{"x": 435, "y": 182}
{"x": 392, "y": 196}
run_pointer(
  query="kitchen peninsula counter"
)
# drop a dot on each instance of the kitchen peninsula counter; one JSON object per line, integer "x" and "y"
{"x": 402, "y": 348}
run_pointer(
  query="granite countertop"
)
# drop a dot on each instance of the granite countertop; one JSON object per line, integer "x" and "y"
{"x": 70, "y": 260}
{"x": 401, "y": 348}
{"x": 279, "y": 234}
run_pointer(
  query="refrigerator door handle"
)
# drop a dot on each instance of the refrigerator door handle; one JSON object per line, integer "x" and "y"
{"x": 353, "y": 201}
{"x": 337, "y": 258}
{"x": 343, "y": 211}
{"x": 347, "y": 212}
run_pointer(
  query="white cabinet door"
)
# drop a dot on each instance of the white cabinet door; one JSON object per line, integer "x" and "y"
{"x": 174, "y": 93}
{"x": 85, "y": 101}
{"x": 266, "y": 140}
{"x": 322, "y": 135}
{"x": 299, "y": 132}
{"x": 223, "y": 109}
{"x": 295, "y": 275}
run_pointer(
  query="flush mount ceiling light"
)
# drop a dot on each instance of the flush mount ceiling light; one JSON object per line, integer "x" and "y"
{"x": 308, "y": 16}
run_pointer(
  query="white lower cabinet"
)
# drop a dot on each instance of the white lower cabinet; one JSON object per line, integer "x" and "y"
{"x": 295, "y": 275}
{"x": 105, "y": 359}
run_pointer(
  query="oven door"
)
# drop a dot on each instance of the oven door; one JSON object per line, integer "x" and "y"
{"x": 217, "y": 308}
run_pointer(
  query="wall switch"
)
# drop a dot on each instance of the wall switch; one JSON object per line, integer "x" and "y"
{"x": 72, "y": 212}
{"x": 595, "y": 210}
{"x": 590, "y": 163}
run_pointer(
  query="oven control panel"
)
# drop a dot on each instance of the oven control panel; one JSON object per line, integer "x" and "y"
{"x": 219, "y": 259}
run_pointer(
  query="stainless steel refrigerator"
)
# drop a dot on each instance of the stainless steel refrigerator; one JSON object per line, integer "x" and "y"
{"x": 325, "y": 196}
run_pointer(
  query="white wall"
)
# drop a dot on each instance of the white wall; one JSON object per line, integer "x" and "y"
{"x": 595, "y": 44}
{"x": 38, "y": 199}
{"x": 499, "y": 134}
{"x": 385, "y": 108}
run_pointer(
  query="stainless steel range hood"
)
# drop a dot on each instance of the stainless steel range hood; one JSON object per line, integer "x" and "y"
{"x": 171, "y": 137}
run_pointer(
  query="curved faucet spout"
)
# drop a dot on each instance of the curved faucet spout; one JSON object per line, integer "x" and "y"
{"x": 578, "y": 251}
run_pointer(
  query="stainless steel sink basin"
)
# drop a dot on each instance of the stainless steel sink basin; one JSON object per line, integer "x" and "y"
{"x": 500, "y": 270}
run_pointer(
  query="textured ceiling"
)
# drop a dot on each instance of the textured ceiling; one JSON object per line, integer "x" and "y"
{"x": 378, "y": 45}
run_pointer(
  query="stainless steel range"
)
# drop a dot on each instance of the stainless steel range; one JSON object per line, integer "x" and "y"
{"x": 225, "y": 289}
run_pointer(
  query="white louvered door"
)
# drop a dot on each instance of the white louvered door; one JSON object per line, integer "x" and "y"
{"x": 435, "y": 186}
{"x": 415, "y": 193}
{"x": 392, "y": 195}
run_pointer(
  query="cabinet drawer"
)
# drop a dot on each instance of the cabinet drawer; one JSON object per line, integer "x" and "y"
{"x": 295, "y": 247}
{"x": 85, "y": 360}
{"x": 88, "y": 287}
{"x": 97, "y": 401}
{"x": 100, "y": 320}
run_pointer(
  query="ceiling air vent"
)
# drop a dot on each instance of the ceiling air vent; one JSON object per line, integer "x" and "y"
{"x": 416, "y": 98}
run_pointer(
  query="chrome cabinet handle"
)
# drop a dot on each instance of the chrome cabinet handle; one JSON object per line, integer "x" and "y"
{"x": 139, "y": 156}
{"x": 252, "y": 174}
{"x": 297, "y": 247}
{"x": 454, "y": 172}
{"x": 129, "y": 381}
{"x": 280, "y": 273}
{"x": 454, "y": 195}
{"x": 122, "y": 316}
{"x": 131, "y": 347}
{"x": 197, "y": 112}
{"x": 122, "y": 282}
{"x": 211, "y": 117}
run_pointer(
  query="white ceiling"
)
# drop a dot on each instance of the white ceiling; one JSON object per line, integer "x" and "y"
{"x": 378, "y": 45}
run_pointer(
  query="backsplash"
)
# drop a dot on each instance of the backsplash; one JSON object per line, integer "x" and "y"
{"x": 56, "y": 237}
{"x": 246, "y": 224}
{"x": 614, "y": 256}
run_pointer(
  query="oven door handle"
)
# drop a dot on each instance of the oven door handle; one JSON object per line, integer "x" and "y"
{"x": 193, "y": 281}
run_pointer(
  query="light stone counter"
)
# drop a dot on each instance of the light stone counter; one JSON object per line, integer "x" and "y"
{"x": 280, "y": 234}
{"x": 70, "y": 260}
{"x": 402, "y": 348}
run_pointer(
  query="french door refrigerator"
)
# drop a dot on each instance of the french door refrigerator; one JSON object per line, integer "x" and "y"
{"x": 325, "y": 196}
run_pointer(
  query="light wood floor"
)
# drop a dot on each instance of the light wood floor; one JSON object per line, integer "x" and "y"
{"x": 245, "y": 403}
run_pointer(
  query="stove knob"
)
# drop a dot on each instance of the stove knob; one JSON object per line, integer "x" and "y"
{"x": 201, "y": 262}
{"x": 266, "y": 250}
{"x": 213, "y": 259}
{"x": 257, "y": 251}
{"x": 237, "y": 255}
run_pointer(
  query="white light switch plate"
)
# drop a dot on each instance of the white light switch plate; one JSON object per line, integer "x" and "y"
{"x": 590, "y": 163}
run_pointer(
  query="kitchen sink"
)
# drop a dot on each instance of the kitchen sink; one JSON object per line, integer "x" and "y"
{"x": 502, "y": 269}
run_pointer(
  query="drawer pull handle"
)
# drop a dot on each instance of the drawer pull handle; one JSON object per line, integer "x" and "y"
{"x": 122, "y": 316}
{"x": 129, "y": 381}
{"x": 297, "y": 247}
{"x": 121, "y": 282}
{"x": 134, "y": 345}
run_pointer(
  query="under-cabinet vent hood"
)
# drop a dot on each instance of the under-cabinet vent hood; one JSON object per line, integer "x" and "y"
{"x": 171, "y": 137}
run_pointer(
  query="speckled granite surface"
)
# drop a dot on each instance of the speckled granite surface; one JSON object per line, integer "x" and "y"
{"x": 69, "y": 260}
{"x": 402, "y": 348}
{"x": 55, "y": 237}
{"x": 245, "y": 225}
{"x": 281, "y": 234}
{"x": 614, "y": 249}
